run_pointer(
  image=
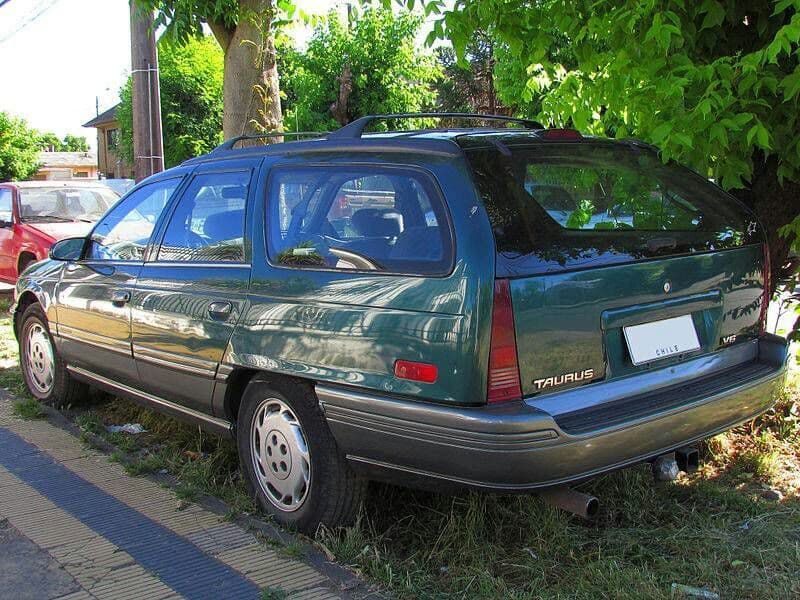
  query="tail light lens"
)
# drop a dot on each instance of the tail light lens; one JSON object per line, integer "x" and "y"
{"x": 762, "y": 318}
{"x": 504, "y": 383}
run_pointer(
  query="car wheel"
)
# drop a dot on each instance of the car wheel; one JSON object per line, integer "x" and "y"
{"x": 290, "y": 461}
{"x": 44, "y": 371}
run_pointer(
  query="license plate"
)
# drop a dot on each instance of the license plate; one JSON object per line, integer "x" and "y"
{"x": 660, "y": 339}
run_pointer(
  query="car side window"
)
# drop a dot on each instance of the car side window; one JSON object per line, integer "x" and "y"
{"x": 358, "y": 218}
{"x": 208, "y": 223}
{"x": 124, "y": 232}
{"x": 6, "y": 213}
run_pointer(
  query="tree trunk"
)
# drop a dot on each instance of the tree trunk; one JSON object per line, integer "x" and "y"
{"x": 775, "y": 205}
{"x": 339, "y": 109}
{"x": 251, "y": 100}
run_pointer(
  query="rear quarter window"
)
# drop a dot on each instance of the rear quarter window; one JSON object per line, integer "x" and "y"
{"x": 555, "y": 206}
{"x": 351, "y": 218}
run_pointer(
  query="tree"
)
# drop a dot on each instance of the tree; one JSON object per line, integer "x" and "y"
{"x": 245, "y": 30}
{"x": 75, "y": 143}
{"x": 349, "y": 70}
{"x": 49, "y": 142}
{"x": 469, "y": 87}
{"x": 714, "y": 85}
{"x": 71, "y": 143}
{"x": 19, "y": 149}
{"x": 191, "y": 76}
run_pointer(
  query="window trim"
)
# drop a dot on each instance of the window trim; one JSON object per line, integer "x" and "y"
{"x": 276, "y": 168}
{"x": 151, "y": 256}
{"x": 181, "y": 178}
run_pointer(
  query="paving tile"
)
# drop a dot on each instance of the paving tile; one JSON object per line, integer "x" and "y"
{"x": 219, "y": 538}
{"x": 266, "y": 568}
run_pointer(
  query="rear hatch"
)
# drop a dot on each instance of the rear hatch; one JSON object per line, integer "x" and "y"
{"x": 617, "y": 263}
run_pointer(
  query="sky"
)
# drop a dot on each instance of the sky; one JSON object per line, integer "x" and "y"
{"x": 58, "y": 57}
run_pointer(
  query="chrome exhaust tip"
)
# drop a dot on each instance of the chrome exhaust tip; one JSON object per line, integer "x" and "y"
{"x": 585, "y": 506}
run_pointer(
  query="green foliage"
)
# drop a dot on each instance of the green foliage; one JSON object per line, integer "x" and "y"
{"x": 70, "y": 143}
{"x": 184, "y": 19}
{"x": 468, "y": 85}
{"x": 191, "y": 100}
{"x": 19, "y": 149}
{"x": 715, "y": 85}
{"x": 388, "y": 73}
{"x": 75, "y": 143}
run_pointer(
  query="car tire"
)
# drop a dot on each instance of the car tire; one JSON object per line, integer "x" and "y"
{"x": 45, "y": 373}
{"x": 290, "y": 460}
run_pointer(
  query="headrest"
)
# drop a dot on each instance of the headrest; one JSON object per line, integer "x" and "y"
{"x": 377, "y": 222}
{"x": 225, "y": 225}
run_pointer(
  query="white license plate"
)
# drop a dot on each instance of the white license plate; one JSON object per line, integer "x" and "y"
{"x": 653, "y": 341}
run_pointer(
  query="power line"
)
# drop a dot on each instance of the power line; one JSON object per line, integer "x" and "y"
{"x": 29, "y": 19}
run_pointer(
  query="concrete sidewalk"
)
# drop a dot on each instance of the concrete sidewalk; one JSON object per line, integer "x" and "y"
{"x": 74, "y": 526}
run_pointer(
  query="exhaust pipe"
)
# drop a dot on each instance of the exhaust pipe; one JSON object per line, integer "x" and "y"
{"x": 582, "y": 505}
{"x": 688, "y": 459}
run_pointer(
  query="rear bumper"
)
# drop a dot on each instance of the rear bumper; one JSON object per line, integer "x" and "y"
{"x": 562, "y": 437}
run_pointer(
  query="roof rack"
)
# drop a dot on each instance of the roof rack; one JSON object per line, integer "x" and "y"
{"x": 356, "y": 128}
{"x": 229, "y": 144}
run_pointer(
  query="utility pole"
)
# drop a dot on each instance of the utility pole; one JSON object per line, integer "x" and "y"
{"x": 148, "y": 152}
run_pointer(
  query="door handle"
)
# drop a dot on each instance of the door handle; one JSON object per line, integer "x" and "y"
{"x": 220, "y": 311}
{"x": 120, "y": 297}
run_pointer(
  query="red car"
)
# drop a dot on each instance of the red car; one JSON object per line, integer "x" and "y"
{"x": 36, "y": 214}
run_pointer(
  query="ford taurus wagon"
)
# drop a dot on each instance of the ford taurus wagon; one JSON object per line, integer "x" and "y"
{"x": 509, "y": 309}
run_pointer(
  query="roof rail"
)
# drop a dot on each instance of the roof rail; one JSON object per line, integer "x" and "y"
{"x": 356, "y": 128}
{"x": 229, "y": 144}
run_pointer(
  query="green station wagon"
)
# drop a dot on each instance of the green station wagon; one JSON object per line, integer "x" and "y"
{"x": 505, "y": 308}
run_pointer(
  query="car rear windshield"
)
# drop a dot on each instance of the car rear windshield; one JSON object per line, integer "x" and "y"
{"x": 560, "y": 205}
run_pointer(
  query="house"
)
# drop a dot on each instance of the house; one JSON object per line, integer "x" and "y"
{"x": 109, "y": 164}
{"x": 66, "y": 165}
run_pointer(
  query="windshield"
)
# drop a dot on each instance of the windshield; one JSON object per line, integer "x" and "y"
{"x": 65, "y": 203}
{"x": 568, "y": 205}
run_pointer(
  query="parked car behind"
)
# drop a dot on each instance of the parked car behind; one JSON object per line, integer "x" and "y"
{"x": 500, "y": 309}
{"x": 35, "y": 214}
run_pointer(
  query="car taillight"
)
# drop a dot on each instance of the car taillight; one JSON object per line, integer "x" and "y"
{"x": 762, "y": 318}
{"x": 504, "y": 383}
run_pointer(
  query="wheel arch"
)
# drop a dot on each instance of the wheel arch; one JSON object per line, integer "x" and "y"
{"x": 24, "y": 300}
{"x": 24, "y": 257}
{"x": 238, "y": 380}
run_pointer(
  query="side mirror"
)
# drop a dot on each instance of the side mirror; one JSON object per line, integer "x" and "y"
{"x": 67, "y": 249}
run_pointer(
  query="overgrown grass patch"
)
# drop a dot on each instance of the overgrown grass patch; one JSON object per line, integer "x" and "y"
{"x": 28, "y": 409}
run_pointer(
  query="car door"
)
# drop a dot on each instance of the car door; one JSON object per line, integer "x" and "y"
{"x": 7, "y": 272}
{"x": 93, "y": 296}
{"x": 190, "y": 294}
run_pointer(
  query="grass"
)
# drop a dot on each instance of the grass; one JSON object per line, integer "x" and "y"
{"x": 713, "y": 529}
{"x": 273, "y": 593}
{"x": 28, "y": 409}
